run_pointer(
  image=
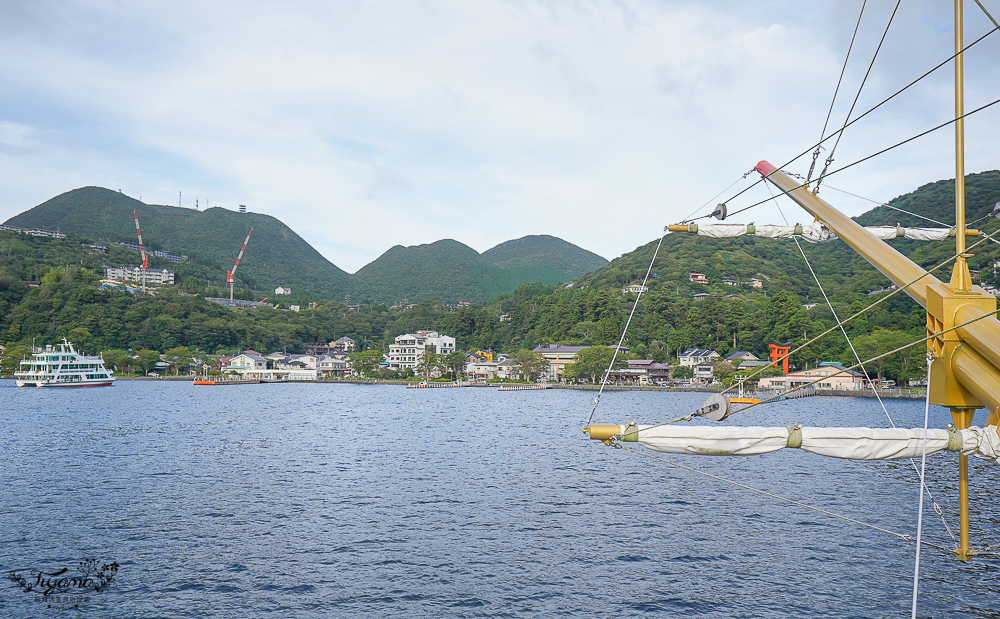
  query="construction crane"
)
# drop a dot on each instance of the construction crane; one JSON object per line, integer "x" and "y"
{"x": 230, "y": 274}
{"x": 142, "y": 249}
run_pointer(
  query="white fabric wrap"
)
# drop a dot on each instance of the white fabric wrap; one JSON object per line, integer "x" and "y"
{"x": 713, "y": 440}
{"x": 722, "y": 231}
{"x": 982, "y": 443}
{"x": 928, "y": 234}
{"x": 872, "y": 443}
{"x": 817, "y": 233}
{"x": 882, "y": 232}
{"x": 768, "y": 231}
{"x": 849, "y": 443}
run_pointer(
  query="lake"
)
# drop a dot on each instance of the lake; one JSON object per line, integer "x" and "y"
{"x": 319, "y": 500}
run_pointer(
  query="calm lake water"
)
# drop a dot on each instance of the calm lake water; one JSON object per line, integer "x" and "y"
{"x": 377, "y": 501}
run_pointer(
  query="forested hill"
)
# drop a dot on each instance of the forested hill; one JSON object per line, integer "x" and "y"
{"x": 845, "y": 275}
{"x": 276, "y": 256}
{"x": 449, "y": 270}
{"x": 544, "y": 258}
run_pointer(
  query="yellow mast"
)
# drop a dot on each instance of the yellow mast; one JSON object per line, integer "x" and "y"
{"x": 965, "y": 366}
{"x": 961, "y": 279}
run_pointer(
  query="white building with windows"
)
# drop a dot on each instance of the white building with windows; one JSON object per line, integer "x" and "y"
{"x": 696, "y": 356}
{"x": 406, "y": 352}
{"x": 154, "y": 277}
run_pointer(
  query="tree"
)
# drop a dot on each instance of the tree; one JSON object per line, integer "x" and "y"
{"x": 81, "y": 339}
{"x": 455, "y": 362}
{"x": 12, "y": 357}
{"x": 427, "y": 362}
{"x": 723, "y": 371}
{"x": 876, "y": 343}
{"x": 147, "y": 359}
{"x": 178, "y": 357}
{"x": 530, "y": 363}
{"x": 365, "y": 363}
{"x": 118, "y": 359}
{"x": 586, "y": 330}
{"x": 682, "y": 372}
{"x": 594, "y": 362}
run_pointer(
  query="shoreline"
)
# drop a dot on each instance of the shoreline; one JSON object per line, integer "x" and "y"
{"x": 887, "y": 394}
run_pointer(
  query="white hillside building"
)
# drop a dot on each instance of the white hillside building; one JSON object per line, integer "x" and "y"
{"x": 406, "y": 352}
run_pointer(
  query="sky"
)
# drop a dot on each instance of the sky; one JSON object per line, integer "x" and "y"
{"x": 364, "y": 125}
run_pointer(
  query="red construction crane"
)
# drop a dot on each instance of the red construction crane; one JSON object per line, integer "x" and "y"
{"x": 229, "y": 275}
{"x": 142, "y": 249}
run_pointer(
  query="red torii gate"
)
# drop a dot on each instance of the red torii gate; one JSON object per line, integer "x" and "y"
{"x": 777, "y": 352}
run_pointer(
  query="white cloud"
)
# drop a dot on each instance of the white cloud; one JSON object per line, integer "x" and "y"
{"x": 365, "y": 125}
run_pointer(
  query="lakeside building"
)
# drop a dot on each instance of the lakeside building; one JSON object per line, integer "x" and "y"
{"x": 696, "y": 356}
{"x": 848, "y": 381}
{"x": 558, "y": 357}
{"x": 251, "y": 364}
{"x": 155, "y": 277}
{"x": 642, "y": 372}
{"x": 481, "y": 370}
{"x": 405, "y": 353}
{"x": 342, "y": 345}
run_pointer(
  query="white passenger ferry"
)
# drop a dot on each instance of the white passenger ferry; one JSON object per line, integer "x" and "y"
{"x": 62, "y": 367}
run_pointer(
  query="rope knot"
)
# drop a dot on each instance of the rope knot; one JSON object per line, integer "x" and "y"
{"x": 794, "y": 436}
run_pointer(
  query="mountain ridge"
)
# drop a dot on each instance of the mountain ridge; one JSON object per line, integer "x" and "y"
{"x": 278, "y": 256}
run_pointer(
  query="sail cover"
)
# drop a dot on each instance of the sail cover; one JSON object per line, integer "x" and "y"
{"x": 849, "y": 443}
{"x": 815, "y": 232}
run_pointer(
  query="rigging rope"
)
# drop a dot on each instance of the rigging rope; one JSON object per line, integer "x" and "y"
{"x": 920, "y": 504}
{"x": 901, "y": 536}
{"x": 863, "y": 159}
{"x": 840, "y": 134}
{"x": 611, "y": 365}
{"x": 812, "y": 166}
{"x": 863, "y": 369}
{"x": 933, "y": 221}
{"x": 872, "y": 109}
{"x": 716, "y": 197}
{"x": 870, "y": 306}
{"x": 987, "y": 13}
{"x": 875, "y": 358}
{"x": 831, "y": 329}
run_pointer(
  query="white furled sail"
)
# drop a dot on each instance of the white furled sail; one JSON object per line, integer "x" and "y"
{"x": 848, "y": 443}
{"x": 813, "y": 233}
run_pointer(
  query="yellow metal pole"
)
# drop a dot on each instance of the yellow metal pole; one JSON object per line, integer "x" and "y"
{"x": 963, "y": 419}
{"x": 961, "y": 279}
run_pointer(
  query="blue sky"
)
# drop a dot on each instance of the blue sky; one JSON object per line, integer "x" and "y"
{"x": 364, "y": 125}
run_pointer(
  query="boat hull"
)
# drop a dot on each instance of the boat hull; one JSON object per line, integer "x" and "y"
{"x": 32, "y": 383}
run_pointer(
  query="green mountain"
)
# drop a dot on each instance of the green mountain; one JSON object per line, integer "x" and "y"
{"x": 451, "y": 271}
{"x": 544, "y": 258}
{"x": 445, "y": 271}
{"x": 845, "y": 275}
{"x": 275, "y": 256}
